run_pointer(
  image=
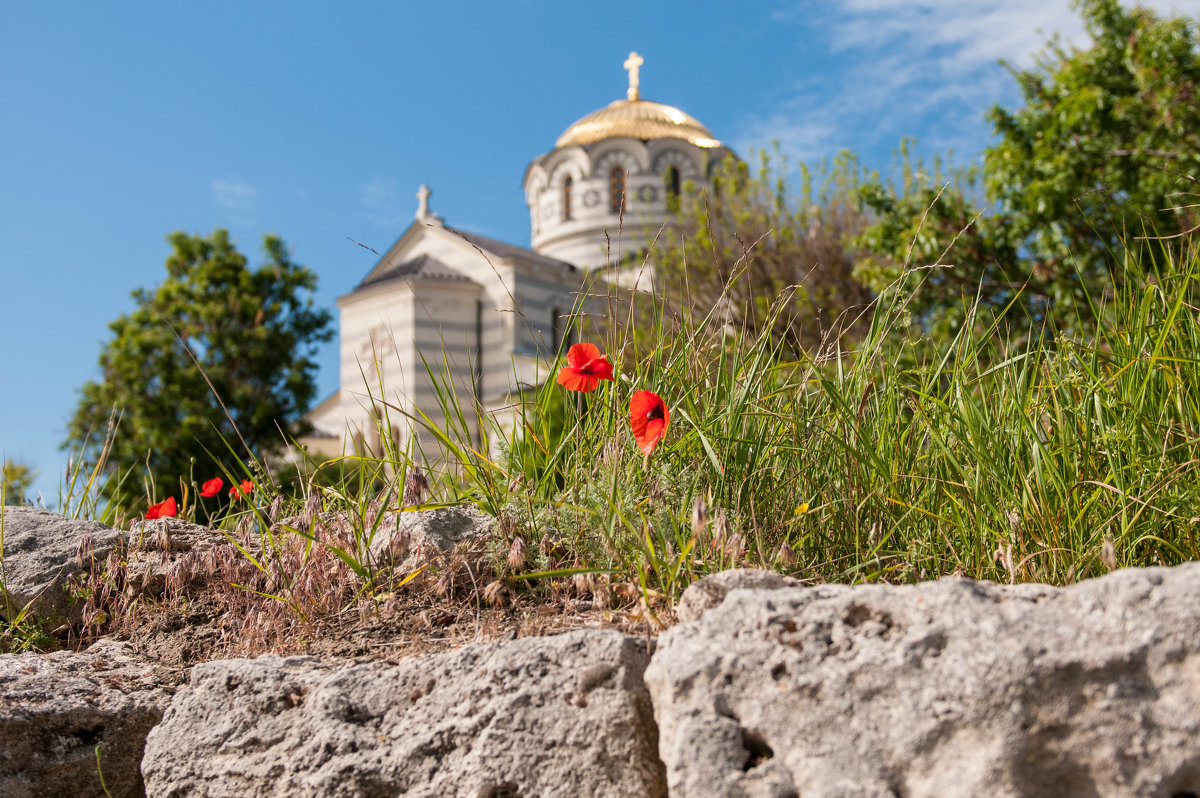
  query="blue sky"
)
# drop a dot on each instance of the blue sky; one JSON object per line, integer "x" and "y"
{"x": 122, "y": 122}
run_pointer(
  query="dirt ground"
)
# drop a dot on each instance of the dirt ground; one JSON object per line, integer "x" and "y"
{"x": 173, "y": 638}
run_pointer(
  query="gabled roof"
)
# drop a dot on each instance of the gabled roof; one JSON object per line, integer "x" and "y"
{"x": 510, "y": 250}
{"x": 424, "y": 266}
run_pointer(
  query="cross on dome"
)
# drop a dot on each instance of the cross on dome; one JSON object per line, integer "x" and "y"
{"x": 631, "y": 65}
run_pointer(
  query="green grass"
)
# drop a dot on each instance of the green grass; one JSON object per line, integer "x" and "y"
{"x": 1013, "y": 452}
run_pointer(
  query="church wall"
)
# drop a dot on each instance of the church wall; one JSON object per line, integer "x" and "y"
{"x": 448, "y": 337}
{"x": 494, "y": 277}
{"x": 376, "y": 329}
{"x": 594, "y": 235}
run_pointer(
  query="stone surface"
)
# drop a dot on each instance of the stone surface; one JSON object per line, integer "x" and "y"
{"x": 556, "y": 716}
{"x": 405, "y": 540}
{"x": 55, "y": 709}
{"x": 172, "y": 553}
{"x": 947, "y": 688}
{"x": 710, "y": 591}
{"x": 41, "y": 551}
{"x": 410, "y": 539}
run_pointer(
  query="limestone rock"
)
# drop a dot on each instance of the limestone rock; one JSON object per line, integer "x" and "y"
{"x": 405, "y": 540}
{"x": 710, "y": 591}
{"x": 409, "y": 539}
{"x": 55, "y": 709}
{"x": 41, "y": 551}
{"x": 170, "y": 552}
{"x": 556, "y": 716}
{"x": 944, "y": 688}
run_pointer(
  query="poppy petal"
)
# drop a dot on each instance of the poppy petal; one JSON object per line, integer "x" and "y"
{"x": 212, "y": 487}
{"x": 577, "y": 380}
{"x": 579, "y": 354}
{"x": 600, "y": 368}
{"x": 649, "y": 419}
{"x": 164, "y": 509}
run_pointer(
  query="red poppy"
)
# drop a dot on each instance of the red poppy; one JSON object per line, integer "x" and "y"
{"x": 212, "y": 487}
{"x": 238, "y": 491}
{"x": 164, "y": 509}
{"x": 649, "y": 417}
{"x": 585, "y": 368}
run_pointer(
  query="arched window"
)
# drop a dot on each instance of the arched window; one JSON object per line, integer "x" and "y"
{"x": 616, "y": 190}
{"x": 568, "y": 184}
{"x": 672, "y": 180}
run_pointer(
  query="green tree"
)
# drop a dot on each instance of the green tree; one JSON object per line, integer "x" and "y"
{"x": 1097, "y": 157}
{"x": 928, "y": 218}
{"x": 17, "y": 479}
{"x": 755, "y": 238}
{"x": 252, "y": 333}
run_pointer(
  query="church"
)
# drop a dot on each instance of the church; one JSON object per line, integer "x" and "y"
{"x": 485, "y": 317}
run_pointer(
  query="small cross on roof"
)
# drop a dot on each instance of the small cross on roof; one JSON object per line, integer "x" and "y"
{"x": 631, "y": 65}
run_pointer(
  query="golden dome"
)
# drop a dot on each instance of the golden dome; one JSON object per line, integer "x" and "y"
{"x": 637, "y": 119}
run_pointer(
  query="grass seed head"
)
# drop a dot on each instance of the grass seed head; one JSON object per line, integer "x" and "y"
{"x": 516, "y": 555}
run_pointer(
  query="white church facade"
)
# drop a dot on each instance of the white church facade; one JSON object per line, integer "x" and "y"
{"x": 486, "y": 316}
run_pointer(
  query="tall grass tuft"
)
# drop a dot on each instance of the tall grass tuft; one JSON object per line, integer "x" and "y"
{"x": 1012, "y": 452}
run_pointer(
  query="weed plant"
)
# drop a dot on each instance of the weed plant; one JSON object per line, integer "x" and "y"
{"x": 1015, "y": 451}
{"x": 1012, "y": 452}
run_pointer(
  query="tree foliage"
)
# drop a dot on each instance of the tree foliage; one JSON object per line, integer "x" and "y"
{"x": 1101, "y": 143}
{"x": 252, "y": 334}
{"x": 16, "y": 480}
{"x": 1100, "y": 157}
{"x": 754, "y": 238}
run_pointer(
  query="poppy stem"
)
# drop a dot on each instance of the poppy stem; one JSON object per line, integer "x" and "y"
{"x": 646, "y": 464}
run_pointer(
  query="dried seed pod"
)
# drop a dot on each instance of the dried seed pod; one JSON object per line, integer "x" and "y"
{"x": 415, "y": 486}
{"x": 506, "y": 525}
{"x": 516, "y": 554}
{"x": 720, "y": 525}
{"x": 495, "y": 593}
{"x": 1108, "y": 554}
{"x": 787, "y": 555}
{"x": 700, "y": 522}
{"x": 584, "y": 583}
{"x": 312, "y": 506}
{"x": 735, "y": 548}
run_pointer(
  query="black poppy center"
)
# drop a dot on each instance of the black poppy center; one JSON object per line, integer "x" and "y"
{"x": 655, "y": 414}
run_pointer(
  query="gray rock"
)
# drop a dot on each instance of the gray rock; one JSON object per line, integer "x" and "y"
{"x": 55, "y": 709}
{"x": 41, "y": 551}
{"x": 556, "y": 716}
{"x": 710, "y": 591}
{"x": 947, "y": 688}
{"x": 172, "y": 553}
{"x": 409, "y": 539}
{"x": 404, "y": 540}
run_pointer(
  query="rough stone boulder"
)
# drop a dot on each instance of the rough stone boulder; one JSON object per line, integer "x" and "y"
{"x": 711, "y": 591}
{"x": 410, "y": 539}
{"x": 42, "y": 550}
{"x": 406, "y": 540}
{"x": 947, "y": 688}
{"x": 556, "y": 716}
{"x": 170, "y": 552}
{"x": 56, "y": 709}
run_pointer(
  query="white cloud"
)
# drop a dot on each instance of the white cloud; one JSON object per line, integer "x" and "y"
{"x": 234, "y": 195}
{"x": 905, "y": 67}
